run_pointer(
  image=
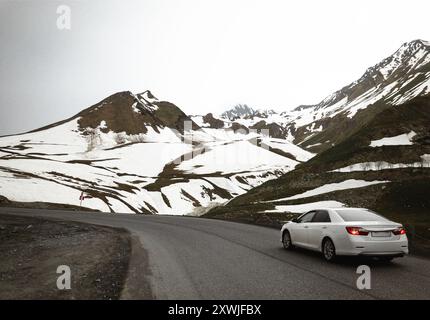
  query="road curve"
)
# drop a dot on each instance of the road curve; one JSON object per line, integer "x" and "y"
{"x": 194, "y": 258}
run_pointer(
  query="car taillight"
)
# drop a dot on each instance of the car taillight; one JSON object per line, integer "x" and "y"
{"x": 357, "y": 231}
{"x": 399, "y": 231}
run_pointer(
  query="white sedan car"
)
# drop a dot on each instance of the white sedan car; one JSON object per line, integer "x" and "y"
{"x": 346, "y": 231}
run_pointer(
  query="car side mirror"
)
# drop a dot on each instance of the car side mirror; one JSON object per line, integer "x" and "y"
{"x": 295, "y": 220}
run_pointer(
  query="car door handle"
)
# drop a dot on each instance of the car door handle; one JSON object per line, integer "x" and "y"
{"x": 305, "y": 227}
{"x": 324, "y": 227}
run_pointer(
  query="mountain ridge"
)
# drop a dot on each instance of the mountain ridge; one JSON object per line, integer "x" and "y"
{"x": 134, "y": 152}
{"x": 396, "y": 79}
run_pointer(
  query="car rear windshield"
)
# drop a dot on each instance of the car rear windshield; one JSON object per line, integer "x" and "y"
{"x": 359, "y": 215}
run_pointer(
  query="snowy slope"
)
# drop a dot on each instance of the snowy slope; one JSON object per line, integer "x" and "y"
{"x": 131, "y": 153}
{"x": 344, "y": 185}
{"x": 134, "y": 153}
{"x": 302, "y": 208}
{"x": 394, "y": 81}
{"x": 371, "y": 139}
{"x": 399, "y": 140}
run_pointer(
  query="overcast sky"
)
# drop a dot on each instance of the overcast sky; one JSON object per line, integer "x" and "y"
{"x": 204, "y": 56}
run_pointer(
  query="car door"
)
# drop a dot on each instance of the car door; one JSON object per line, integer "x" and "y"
{"x": 316, "y": 229}
{"x": 300, "y": 229}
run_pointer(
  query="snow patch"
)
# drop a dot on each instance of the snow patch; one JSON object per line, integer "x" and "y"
{"x": 288, "y": 147}
{"x": 301, "y": 208}
{"x": 344, "y": 185}
{"x": 400, "y": 140}
{"x": 383, "y": 165}
{"x": 313, "y": 145}
{"x": 34, "y": 189}
{"x": 236, "y": 156}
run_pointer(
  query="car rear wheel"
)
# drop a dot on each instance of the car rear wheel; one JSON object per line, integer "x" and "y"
{"x": 286, "y": 240}
{"x": 328, "y": 250}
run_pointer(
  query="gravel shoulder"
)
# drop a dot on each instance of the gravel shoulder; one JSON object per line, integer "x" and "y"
{"x": 31, "y": 249}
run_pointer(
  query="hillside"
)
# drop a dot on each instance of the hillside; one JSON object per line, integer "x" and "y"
{"x": 378, "y": 156}
{"x": 397, "y": 79}
{"x": 365, "y": 144}
{"x": 133, "y": 153}
{"x": 392, "y": 82}
{"x": 385, "y": 166}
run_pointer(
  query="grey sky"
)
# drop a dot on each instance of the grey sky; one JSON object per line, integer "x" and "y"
{"x": 203, "y": 55}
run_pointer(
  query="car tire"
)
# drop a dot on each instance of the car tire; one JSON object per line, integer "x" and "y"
{"x": 328, "y": 250}
{"x": 286, "y": 240}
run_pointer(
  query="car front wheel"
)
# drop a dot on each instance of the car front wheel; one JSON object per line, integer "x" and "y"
{"x": 286, "y": 240}
{"x": 329, "y": 250}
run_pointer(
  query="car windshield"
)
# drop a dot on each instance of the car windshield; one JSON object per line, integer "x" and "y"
{"x": 359, "y": 215}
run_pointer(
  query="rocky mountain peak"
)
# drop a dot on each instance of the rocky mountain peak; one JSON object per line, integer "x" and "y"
{"x": 147, "y": 96}
{"x": 410, "y": 56}
{"x": 238, "y": 111}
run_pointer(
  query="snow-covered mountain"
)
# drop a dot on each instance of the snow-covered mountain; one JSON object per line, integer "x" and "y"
{"x": 373, "y": 143}
{"x": 395, "y": 80}
{"x": 134, "y": 153}
{"x": 384, "y": 166}
{"x": 238, "y": 111}
{"x": 246, "y": 119}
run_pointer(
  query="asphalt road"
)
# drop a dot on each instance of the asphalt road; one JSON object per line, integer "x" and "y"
{"x": 194, "y": 258}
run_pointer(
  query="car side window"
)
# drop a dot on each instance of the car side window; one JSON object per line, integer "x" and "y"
{"x": 321, "y": 216}
{"x": 307, "y": 217}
